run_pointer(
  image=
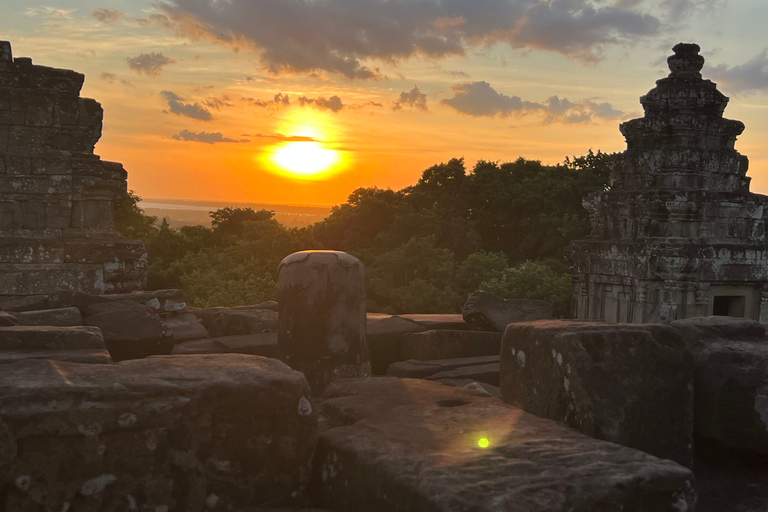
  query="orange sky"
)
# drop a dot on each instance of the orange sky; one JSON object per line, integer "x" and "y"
{"x": 166, "y": 70}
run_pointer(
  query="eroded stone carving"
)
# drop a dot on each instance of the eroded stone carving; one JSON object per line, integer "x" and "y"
{"x": 678, "y": 234}
{"x": 57, "y": 199}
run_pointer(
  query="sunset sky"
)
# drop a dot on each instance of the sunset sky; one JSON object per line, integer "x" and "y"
{"x": 302, "y": 101}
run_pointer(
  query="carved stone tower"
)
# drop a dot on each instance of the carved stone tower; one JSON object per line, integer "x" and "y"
{"x": 57, "y": 199}
{"x": 678, "y": 234}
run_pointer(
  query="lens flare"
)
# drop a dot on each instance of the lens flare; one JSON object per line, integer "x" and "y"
{"x": 483, "y": 442}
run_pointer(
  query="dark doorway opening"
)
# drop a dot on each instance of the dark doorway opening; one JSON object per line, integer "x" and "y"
{"x": 729, "y": 305}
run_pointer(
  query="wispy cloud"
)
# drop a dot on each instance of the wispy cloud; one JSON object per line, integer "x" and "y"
{"x": 334, "y": 103}
{"x": 51, "y": 12}
{"x": 177, "y": 106}
{"x": 150, "y": 64}
{"x": 281, "y": 137}
{"x": 479, "y": 99}
{"x": 107, "y": 16}
{"x": 748, "y": 77}
{"x": 205, "y": 137}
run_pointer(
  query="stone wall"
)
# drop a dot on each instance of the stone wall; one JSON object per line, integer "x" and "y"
{"x": 57, "y": 199}
{"x": 678, "y": 234}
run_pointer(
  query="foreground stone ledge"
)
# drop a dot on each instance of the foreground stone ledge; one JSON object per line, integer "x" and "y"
{"x": 628, "y": 384}
{"x": 175, "y": 433}
{"x": 74, "y": 344}
{"x": 411, "y": 445}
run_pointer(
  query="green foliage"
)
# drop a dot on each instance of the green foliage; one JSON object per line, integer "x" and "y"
{"x": 533, "y": 280}
{"x": 131, "y": 221}
{"x": 425, "y": 247}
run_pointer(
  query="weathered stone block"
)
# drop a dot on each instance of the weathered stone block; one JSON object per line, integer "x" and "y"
{"x": 487, "y": 373}
{"x": 74, "y": 344}
{"x": 429, "y": 345}
{"x": 262, "y": 344}
{"x": 131, "y": 331}
{"x": 447, "y": 321}
{"x": 415, "y": 369}
{"x": 484, "y": 312}
{"x": 61, "y": 317}
{"x": 628, "y": 384}
{"x": 384, "y": 336}
{"x": 239, "y": 320}
{"x": 731, "y": 380}
{"x": 401, "y": 444}
{"x": 322, "y": 321}
{"x": 185, "y": 327}
{"x": 188, "y": 433}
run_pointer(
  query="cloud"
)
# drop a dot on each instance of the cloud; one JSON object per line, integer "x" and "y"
{"x": 414, "y": 99}
{"x": 333, "y": 103}
{"x": 150, "y": 64}
{"x": 347, "y": 36}
{"x": 51, "y": 12}
{"x": 219, "y": 103}
{"x": 208, "y": 138}
{"x": 280, "y": 100}
{"x": 748, "y": 77}
{"x": 177, "y": 106}
{"x": 107, "y": 16}
{"x": 112, "y": 78}
{"x": 479, "y": 99}
{"x": 457, "y": 73}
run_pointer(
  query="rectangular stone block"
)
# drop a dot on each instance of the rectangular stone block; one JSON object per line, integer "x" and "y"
{"x": 628, "y": 384}
{"x": 429, "y": 345}
{"x": 415, "y": 369}
{"x": 413, "y": 445}
{"x": 73, "y": 344}
{"x": 190, "y": 433}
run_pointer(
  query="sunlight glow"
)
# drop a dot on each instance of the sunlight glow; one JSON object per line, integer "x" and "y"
{"x": 483, "y": 442}
{"x": 306, "y": 159}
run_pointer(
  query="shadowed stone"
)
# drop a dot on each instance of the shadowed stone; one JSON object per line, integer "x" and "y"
{"x": 192, "y": 433}
{"x": 185, "y": 327}
{"x": 384, "y": 336}
{"x": 485, "y": 312}
{"x": 131, "y": 330}
{"x": 238, "y": 320}
{"x": 415, "y": 369}
{"x": 731, "y": 380}
{"x": 322, "y": 320}
{"x": 430, "y": 345}
{"x": 487, "y": 373}
{"x": 401, "y": 444}
{"x": 73, "y": 344}
{"x": 262, "y": 344}
{"x": 447, "y": 321}
{"x": 62, "y": 317}
{"x": 628, "y": 384}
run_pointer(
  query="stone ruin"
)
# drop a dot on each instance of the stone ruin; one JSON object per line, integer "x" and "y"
{"x": 678, "y": 234}
{"x": 57, "y": 199}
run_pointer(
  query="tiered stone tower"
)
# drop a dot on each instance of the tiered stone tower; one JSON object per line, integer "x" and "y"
{"x": 678, "y": 234}
{"x": 57, "y": 199}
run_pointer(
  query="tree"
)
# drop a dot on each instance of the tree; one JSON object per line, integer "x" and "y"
{"x": 131, "y": 221}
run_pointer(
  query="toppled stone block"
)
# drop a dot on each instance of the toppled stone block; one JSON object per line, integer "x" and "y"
{"x": 415, "y": 369}
{"x": 628, "y": 384}
{"x": 61, "y": 317}
{"x": 445, "y": 321}
{"x": 262, "y": 344}
{"x": 384, "y": 335}
{"x": 473, "y": 385}
{"x": 185, "y": 327}
{"x": 188, "y": 433}
{"x": 322, "y": 320}
{"x": 237, "y": 321}
{"x": 485, "y": 312}
{"x": 73, "y": 344}
{"x": 430, "y": 345}
{"x": 131, "y": 330}
{"x": 731, "y": 380}
{"x": 402, "y": 444}
{"x": 161, "y": 301}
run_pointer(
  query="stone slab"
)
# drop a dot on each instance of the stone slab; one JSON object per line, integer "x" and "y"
{"x": 488, "y": 373}
{"x": 262, "y": 344}
{"x": 61, "y": 317}
{"x": 429, "y": 345}
{"x": 74, "y": 344}
{"x": 236, "y": 321}
{"x": 190, "y": 433}
{"x": 485, "y": 312}
{"x": 449, "y": 321}
{"x": 413, "y": 445}
{"x": 185, "y": 327}
{"x": 731, "y": 380}
{"x": 628, "y": 384}
{"x": 131, "y": 330}
{"x": 384, "y": 336}
{"x": 416, "y": 369}
{"x": 161, "y": 301}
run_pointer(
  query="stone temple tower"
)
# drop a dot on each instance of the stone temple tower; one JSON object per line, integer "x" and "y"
{"x": 678, "y": 234}
{"x": 57, "y": 199}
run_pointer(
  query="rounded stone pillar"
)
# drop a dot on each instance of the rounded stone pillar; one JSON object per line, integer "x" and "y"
{"x": 322, "y": 321}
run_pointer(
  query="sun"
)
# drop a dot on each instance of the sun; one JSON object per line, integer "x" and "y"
{"x": 305, "y": 159}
